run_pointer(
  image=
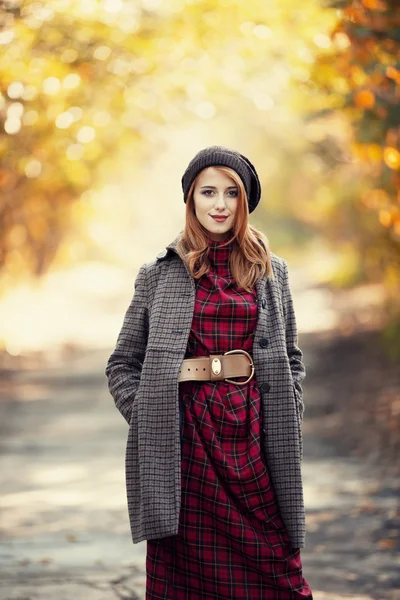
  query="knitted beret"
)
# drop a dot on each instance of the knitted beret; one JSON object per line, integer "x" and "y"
{"x": 220, "y": 155}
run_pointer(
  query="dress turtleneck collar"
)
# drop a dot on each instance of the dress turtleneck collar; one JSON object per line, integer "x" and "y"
{"x": 219, "y": 254}
{"x": 228, "y": 243}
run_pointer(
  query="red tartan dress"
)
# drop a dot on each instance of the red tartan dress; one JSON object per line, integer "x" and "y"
{"x": 231, "y": 542}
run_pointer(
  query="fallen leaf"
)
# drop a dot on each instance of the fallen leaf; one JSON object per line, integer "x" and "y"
{"x": 387, "y": 543}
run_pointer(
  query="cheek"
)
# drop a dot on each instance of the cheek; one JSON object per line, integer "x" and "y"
{"x": 200, "y": 204}
{"x": 233, "y": 205}
{"x": 196, "y": 204}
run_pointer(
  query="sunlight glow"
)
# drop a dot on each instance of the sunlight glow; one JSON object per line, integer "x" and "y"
{"x": 30, "y": 92}
{"x": 30, "y": 117}
{"x": 262, "y": 31}
{"x": 75, "y": 151}
{"x": 86, "y": 134}
{"x": 12, "y": 125}
{"x": 263, "y": 101}
{"x": 205, "y": 110}
{"x": 322, "y": 41}
{"x": 101, "y": 118}
{"x": 33, "y": 168}
{"x": 71, "y": 81}
{"x": 15, "y": 89}
{"x": 6, "y": 37}
{"x": 69, "y": 55}
{"x": 113, "y": 6}
{"x": 51, "y": 86}
{"x": 64, "y": 120}
{"x": 102, "y": 52}
{"x": 16, "y": 109}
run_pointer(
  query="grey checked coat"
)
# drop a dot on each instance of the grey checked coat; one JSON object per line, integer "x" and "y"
{"x": 142, "y": 376}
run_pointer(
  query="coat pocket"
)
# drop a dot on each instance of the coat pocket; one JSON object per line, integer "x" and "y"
{"x": 133, "y": 413}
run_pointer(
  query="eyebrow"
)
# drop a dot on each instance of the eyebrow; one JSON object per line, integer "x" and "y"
{"x": 214, "y": 188}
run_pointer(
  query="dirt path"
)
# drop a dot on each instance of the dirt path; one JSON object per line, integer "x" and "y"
{"x": 64, "y": 526}
{"x": 351, "y": 473}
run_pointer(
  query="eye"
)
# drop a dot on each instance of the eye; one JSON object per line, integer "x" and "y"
{"x": 234, "y": 193}
{"x": 205, "y": 192}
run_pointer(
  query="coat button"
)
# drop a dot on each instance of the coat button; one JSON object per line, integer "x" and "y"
{"x": 264, "y": 303}
{"x": 263, "y": 342}
{"x": 264, "y": 387}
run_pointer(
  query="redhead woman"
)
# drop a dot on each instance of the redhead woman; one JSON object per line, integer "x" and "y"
{"x": 207, "y": 372}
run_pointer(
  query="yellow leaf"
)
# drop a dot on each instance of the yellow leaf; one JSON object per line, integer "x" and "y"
{"x": 391, "y": 156}
{"x": 374, "y": 198}
{"x": 385, "y": 217}
{"x": 374, "y": 152}
{"x": 358, "y": 75}
{"x": 393, "y": 73}
{"x": 366, "y": 507}
{"x": 364, "y": 99}
{"x": 375, "y": 5}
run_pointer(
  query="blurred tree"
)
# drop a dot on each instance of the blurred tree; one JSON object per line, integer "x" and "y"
{"x": 80, "y": 81}
{"x": 73, "y": 90}
{"x": 357, "y": 76}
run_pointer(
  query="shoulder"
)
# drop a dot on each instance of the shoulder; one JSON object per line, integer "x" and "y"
{"x": 151, "y": 266}
{"x": 279, "y": 266}
{"x": 277, "y": 260}
{"x": 151, "y": 270}
{"x": 156, "y": 264}
{"x": 161, "y": 255}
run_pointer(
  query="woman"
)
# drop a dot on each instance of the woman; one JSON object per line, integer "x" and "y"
{"x": 214, "y": 449}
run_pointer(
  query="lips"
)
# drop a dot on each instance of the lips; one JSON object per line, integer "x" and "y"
{"x": 219, "y": 219}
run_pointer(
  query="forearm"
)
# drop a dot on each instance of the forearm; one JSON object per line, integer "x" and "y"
{"x": 123, "y": 373}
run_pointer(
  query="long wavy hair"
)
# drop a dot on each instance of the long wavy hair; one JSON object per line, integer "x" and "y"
{"x": 250, "y": 257}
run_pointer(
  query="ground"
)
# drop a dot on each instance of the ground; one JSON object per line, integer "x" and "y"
{"x": 64, "y": 524}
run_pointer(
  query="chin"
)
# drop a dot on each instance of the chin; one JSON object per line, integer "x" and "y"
{"x": 219, "y": 230}
{"x": 218, "y": 227}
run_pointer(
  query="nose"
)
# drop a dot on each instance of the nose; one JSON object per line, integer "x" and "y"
{"x": 220, "y": 201}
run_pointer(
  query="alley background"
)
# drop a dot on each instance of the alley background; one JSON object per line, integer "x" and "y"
{"x": 102, "y": 105}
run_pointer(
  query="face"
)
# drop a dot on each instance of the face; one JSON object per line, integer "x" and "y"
{"x": 215, "y": 194}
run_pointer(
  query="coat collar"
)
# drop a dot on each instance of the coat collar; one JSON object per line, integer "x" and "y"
{"x": 170, "y": 248}
{"x": 262, "y": 287}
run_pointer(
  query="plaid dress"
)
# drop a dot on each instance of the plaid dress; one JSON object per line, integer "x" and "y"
{"x": 232, "y": 542}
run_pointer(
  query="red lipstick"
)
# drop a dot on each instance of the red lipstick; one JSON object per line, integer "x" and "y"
{"x": 219, "y": 219}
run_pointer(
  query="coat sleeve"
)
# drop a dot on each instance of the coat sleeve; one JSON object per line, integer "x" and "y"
{"x": 125, "y": 363}
{"x": 295, "y": 354}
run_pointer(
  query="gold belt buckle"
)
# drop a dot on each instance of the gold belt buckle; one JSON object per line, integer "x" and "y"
{"x": 216, "y": 366}
{"x": 251, "y": 364}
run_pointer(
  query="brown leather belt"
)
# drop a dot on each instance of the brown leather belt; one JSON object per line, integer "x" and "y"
{"x": 218, "y": 367}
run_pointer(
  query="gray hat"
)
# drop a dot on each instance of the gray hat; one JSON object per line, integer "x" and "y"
{"x": 220, "y": 155}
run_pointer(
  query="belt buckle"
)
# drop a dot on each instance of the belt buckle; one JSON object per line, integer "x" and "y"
{"x": 216, "y": 366}
{"x": 251, "y": 364}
